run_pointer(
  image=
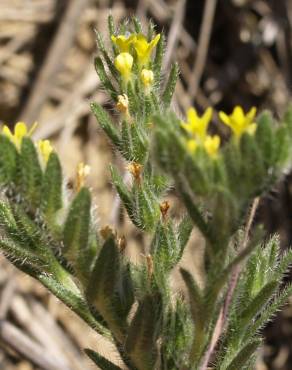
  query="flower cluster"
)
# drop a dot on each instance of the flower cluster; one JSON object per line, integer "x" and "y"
{"x": 20, "y": 131}
{"x": 197, "y": 128}
{"x": 135, "y": 47}
{"x": 239, "y": 122}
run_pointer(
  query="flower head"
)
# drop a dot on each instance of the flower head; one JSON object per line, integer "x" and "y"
{"x": 20, "y": 131}
{"x": 123, "y": 64}
{"x": 211, "y": 145}
{"x": 45, "y": 149}
{"x": 144, "y": 48}
{"x": 197, "y": 126}
{"x": 147, "y": 77}
{"x": 239, "y": 122}
{"x": 123, "y": 42}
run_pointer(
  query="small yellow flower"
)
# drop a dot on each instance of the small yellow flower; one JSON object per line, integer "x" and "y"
{"x": 197, "y": 126}
{"x": 123, "y": 64}
{"x": 144, "y": 48}
{"x": 123, "y": 104}
{"x": 123, "y": 42}
{"x": 239, "y": 122}
{"x": 20, "y": 131}
{"x": 211, "y": 145}
{"x": 45, "y": 149}
{"x": 192, "y": 145}
{"x": 147, "y": 77}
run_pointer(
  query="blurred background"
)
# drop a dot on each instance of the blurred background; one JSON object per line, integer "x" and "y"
{"x": 229, "y": 52}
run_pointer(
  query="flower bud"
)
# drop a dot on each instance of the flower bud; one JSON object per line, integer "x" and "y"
{"x": 123, "y": 64}
{"x": 147, "y": 77}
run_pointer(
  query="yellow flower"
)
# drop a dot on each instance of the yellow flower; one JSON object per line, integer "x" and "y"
{"x": 197, "y": 126}
{"x": 192, "y": 145}
{"x": 239, "y": 122}
{"x": 144, "y": 48}
{"x": 20, "y": 131}
{"x": 147, "y": 77}
{"x": 123, "y": 42}
{"x": 45, "y": 149}
{"x": 211, "y": 145}
{"x": 123, "y": 64}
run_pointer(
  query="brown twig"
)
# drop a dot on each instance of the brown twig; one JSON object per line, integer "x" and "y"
{"x": 31, "y": 350}
{"x": 203, "y": 45}
{"x": 60, "y": 45}
{"x": 174, "y": 32}
{"x": 222, "y": 318}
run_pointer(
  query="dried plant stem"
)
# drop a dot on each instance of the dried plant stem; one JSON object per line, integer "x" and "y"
{"x": 203, "y": 45}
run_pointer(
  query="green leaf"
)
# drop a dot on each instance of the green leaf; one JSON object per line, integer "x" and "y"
{"x": 196, "y": 299}
{"x": 51, "y": 200}
{"x": 100, "y": 361}
{"x": 258, "y": 303}
{"x": 157, "y": 65}
{"x": 264, "y": 137}
{"x": 106, "y": 123}
{"x": 125, "y": 195}
{"x": 279, "y": 300}
{"x": 137, "y": 24}
{"x": 75, "y": 302}
{"x": 142, "y": 334}
{"x": 112, "y": 32}
{"x": 104, "y": 79}
{"x": 107, "y": 58}
{"x": 244, "y": 355}
{"x": 164, "y": 247}
{"x": 253, "y": 173}
{"x": 282, "y": 146}
{"x": 8, "y": 161}
{"x": 184, "y": 231}
{"x": 17, "y": 254}
{"x": 30, "y": 181}
{"x": 194, "y": 212}
{"x": 233, "y": 161}
{"x": 76, "y": 228}
{"x": 170, "y": 85}
{"x": 102, "y": 287}
{"x": 145, "y": 206}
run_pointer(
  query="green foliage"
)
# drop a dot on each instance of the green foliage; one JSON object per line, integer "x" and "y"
{"x": 155, "y": 323}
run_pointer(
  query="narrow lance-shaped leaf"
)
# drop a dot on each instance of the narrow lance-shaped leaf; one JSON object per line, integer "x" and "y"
{"x": 157, "y": 65}
{"x": 76, "y": 227}
{"x": 106, "y": 123}
{"x": 112, "y": 31}
{"x": 102, "y": 286}
{"x": 258, "y": 303}
{"x": 106, "y": 57}
{"x": 170, "y": 86}
{"x": 196, "y": 299}
{"x": 51, "y": 200}
{"x": 124, "y": 194}
{"x": 141, "y": 340}
{"x": 8, "y": 161}
{"x": 244, "y": 355}
{"x": 30, "y": 181}
{"x": 137, "y": 25}
{"x": 184, "y": 231}
{"x": 104, "y": 79}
